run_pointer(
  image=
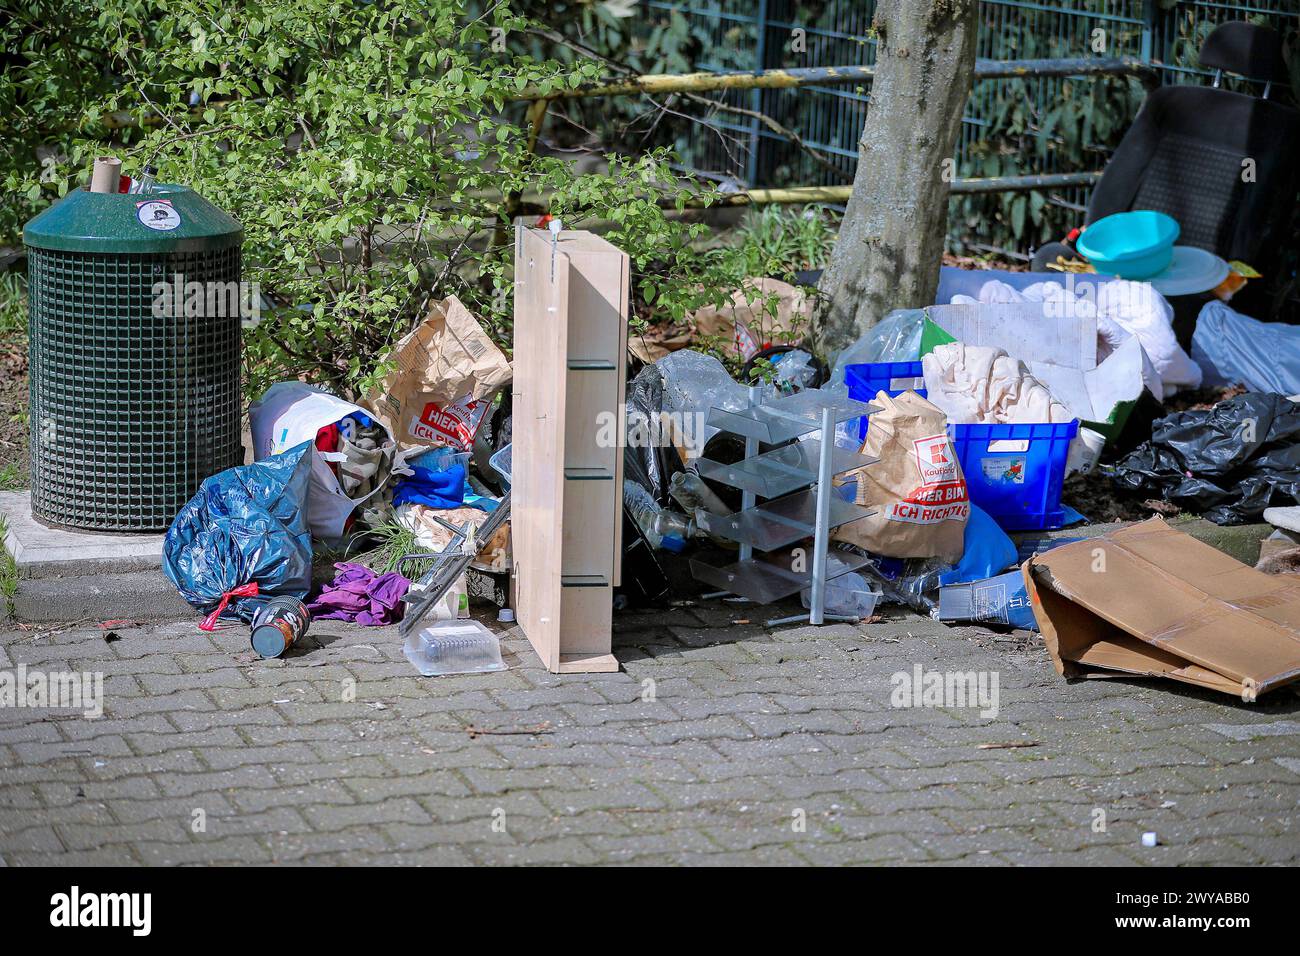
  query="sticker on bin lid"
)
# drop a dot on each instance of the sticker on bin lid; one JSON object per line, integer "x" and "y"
{"x": 158, "y": 214}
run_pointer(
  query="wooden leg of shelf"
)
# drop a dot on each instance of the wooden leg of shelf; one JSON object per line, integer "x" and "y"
{"x": 587, "y": 664}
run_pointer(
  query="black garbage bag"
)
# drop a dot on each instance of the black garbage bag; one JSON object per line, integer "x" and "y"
{"x": 1228, "y": 463}
{"x": 644, "y": 455}
{"x": 243, "y": 535}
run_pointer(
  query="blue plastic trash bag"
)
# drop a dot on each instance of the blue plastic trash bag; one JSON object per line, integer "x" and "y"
{"x": 246, "y": 526}
{"x": 986, "y": 550}
{"x": 1232, "y": 348}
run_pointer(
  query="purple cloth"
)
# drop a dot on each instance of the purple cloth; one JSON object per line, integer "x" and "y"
{"x": 360, "y": 595}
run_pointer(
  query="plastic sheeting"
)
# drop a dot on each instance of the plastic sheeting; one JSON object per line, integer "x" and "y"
{"x": 694, "y": 383}
{"x": 1232, "y": 348}
{"x": 246, "y": 525}
{"x": 954, "y": 280}
{"x": 289, "y": 413}
{"x": 667, "y": 407}
{"x": 895, "y": 338}
{"x": 1121, "y": 309}
{"x": 1229, "y": 462}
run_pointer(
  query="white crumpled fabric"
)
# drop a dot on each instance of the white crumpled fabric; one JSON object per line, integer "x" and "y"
{"x": 979, "y": 384}
{"x": 1122, "y": 308}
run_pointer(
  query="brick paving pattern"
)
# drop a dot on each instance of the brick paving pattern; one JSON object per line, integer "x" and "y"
{"x": 720, "y": 742}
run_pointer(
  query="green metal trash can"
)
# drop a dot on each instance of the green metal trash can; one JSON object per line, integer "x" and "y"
{"x": 134, "y": 355}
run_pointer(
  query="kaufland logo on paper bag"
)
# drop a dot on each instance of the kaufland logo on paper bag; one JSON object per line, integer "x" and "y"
{"x": 935, "y": 460}
{"x": 941, "y": 495}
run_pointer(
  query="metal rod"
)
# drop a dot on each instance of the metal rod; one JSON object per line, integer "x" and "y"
{"x": 756, "y": 101}
{"x": 840, "y": 194}
{"x": 660, "y": 83}
{"x": 822, "y": 532}
{"x": 799, "y": 619}
{"x": 535, "y": 204}
{"x": 748, "y": 498}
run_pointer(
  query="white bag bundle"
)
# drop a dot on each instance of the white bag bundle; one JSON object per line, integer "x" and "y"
{"x": 290, "y": 413}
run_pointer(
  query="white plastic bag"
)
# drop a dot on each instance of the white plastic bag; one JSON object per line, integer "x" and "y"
{"x": 290, "y": 413}
{"x": 1234, "y": 348}
{"x": 895, "y": 338}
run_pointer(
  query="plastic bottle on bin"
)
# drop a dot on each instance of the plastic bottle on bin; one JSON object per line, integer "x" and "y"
{"x": 689, "y": 490}
{"x": 146, "y": 181}
{"x": 664, "y": 529}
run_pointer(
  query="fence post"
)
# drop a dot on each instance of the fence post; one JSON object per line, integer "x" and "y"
{"x": 756, "y": 98}
{"x": 1148, "y": 30}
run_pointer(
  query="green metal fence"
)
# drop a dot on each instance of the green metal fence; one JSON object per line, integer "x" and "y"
{"x": 1012, "y": 126}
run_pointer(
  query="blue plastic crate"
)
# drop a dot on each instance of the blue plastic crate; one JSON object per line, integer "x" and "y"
{"x": 892, "y": 378}
{"x": 1013, "y": 472}
{"x": 1019, "y": 483}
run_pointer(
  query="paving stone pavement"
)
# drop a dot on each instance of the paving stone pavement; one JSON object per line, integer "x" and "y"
{"x": 720, "y": 742}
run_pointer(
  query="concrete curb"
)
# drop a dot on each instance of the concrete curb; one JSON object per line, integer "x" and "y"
{"x": 66, "y": 575}
{"x": 134, "y": 596}
{"x": 42, "y": 551}
{"x": 1237, "y": 541}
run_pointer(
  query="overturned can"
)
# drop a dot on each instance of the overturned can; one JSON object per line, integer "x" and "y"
{"x": 278, "y": 624}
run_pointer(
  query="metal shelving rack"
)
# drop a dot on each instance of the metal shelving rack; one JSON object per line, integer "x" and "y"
{"x": 795, "y": 481}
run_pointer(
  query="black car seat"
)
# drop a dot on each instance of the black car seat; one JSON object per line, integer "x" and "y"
{"x": 1225, "y": 165}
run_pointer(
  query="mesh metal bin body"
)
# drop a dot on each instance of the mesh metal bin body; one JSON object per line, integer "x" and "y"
{"x": 134, "y": 308}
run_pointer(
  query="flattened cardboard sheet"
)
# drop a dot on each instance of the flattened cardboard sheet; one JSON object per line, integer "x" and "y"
{"x": 1148, "y": 599}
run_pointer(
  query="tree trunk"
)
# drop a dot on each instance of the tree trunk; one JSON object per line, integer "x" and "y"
{"x": 891, "y": 242}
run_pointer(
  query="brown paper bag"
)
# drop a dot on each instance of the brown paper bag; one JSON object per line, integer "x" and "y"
{"x": 917, "y": 488}
{"x": 745, "y": 320}
{"x": 447, "y": 371}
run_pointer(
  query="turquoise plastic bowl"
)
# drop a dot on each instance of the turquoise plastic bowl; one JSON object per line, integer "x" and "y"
{"x": 1131, "y": 245}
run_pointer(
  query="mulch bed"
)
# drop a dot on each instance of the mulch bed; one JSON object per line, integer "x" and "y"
{"x": 13, "y": 411}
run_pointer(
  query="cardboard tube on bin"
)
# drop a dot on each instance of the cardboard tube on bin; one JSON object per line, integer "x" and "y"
{"x": 106, "y": 174}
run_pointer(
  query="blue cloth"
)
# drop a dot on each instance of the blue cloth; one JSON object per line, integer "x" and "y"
{"x": 436, "y": 459}
{"x": 436, "y": 489}
{"x": 442, "y": 459}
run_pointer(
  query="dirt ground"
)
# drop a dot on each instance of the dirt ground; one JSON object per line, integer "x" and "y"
{"x": 1095, "y": 495}
{"x": 1202, "y": 398}
{"x": 13, "y": 412}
